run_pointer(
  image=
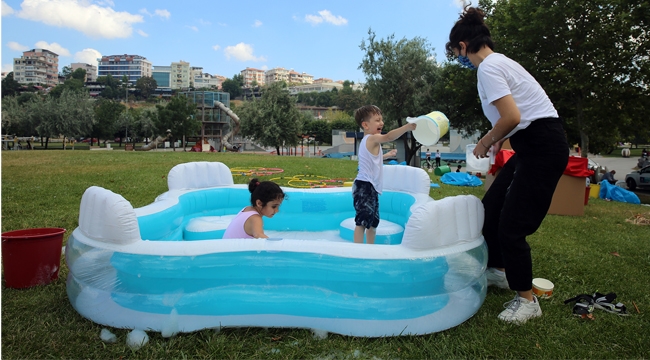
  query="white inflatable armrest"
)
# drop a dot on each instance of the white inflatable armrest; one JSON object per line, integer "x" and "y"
{"x": 107, "y": 216}
{"x": 199, "y": 175}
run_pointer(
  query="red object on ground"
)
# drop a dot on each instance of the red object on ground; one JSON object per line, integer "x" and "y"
{"x": 577, "y": 166}
{"x": 31, "y": 257}
{"x": 587, "y": 189}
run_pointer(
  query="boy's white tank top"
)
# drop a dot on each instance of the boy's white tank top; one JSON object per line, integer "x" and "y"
{"x": 371, "y": 167}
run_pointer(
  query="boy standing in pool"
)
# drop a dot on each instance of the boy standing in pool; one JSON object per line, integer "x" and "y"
{"x": 369, "y": 181}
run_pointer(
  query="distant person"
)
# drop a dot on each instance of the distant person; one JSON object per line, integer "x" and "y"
{"x": 644, "y": 153}
{"x": 437, "y": 158}
{"x": 369, "y": 181}
{"x": 458, "y": 168}
{"x": 428, "y": 154}
{"x": 609, "y": 176}
{"x": 266, "y": 198}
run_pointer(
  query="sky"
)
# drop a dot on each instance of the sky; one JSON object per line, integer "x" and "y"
{"x": 320, "y": 38}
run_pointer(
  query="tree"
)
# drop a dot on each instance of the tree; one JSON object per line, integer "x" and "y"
{"x": 347, "y": 99}
{"x": 76, "y": 114}
{"x": 111, "y": 87}
{"x": 107, "y": 112}
{"x": 10, "y": 87}
{"x": 456, "y": 96}
{"x": 79, "y": 74}
{"x": 273, "y": 120}
{"x": 591, "y": 57}
{"x": 145, "y": 123}
{"x": 66, "y": 71}
{"x": 319, "y": 129}
{"x": 71, "y": 84}
{"x": 14, "y": 116}
{"x": 146, "y": 85}
{"x": 399, "y": 78}
{"x": 233, "y": 86}
{"x": 179, "y": 117}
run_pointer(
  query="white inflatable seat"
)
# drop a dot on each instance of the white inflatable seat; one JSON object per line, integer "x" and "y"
{"x": 199, "y": 175}
{"x": 388, "y": 233}
{"x": 207, "y": 227}
{"x": 407, "y": 179}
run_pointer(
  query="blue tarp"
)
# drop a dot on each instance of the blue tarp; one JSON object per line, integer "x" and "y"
{"x": 460, "y": 179}
{"x": 615, "y": 193}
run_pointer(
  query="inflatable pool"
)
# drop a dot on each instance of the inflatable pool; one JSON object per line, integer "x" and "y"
{"x": 164, "y": 267}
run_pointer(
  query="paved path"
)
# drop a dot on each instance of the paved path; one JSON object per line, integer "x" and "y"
{"x": 623, "y": 166}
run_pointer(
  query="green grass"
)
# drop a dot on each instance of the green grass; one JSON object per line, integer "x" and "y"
{"x": 599, "y": 251}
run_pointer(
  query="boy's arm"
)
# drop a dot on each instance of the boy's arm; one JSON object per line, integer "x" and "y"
{"x": 392, "y": 135}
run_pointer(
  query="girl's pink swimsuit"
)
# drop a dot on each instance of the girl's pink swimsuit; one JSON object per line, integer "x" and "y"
{"x": 236, "y": 228}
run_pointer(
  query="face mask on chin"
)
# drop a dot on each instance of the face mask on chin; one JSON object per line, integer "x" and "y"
{"x": 464, "y": 61}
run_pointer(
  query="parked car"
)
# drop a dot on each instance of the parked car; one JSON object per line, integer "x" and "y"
{"x": 638, "y": 178}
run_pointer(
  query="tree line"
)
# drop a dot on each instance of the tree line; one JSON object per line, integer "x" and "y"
{"x": 69, "y": 111}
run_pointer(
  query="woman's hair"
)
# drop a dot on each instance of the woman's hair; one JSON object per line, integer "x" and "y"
{"x": 363, "y": 113}
{"x": 471, "y": 29}
{"x": 264, "y": 191}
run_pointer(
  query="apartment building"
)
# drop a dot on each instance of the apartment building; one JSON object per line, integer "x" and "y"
{"x": 276, "y": 74}
{"x": 205, "y": 80}
{"x": 322, "y": 81}
{"x": 91, "y": 71}
{"x": 37, "y": 66}
{"x": 300, "y": 78}
{"x": 249, "y": 75}
{"x": 163, "y": 76}
{"x": 195, "y": 71}
{"x": 315, "y": 87}
{"x": 133, "y": 66}
{"x": 180, "y": 75}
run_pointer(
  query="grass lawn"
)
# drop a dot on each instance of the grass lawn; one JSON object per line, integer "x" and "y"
{"x": 599, "y": 251}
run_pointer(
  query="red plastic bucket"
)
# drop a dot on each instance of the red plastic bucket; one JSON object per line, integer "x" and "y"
{"x": 31, "y": 257}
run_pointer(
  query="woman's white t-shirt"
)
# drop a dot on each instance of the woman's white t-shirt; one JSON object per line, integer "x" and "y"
{"x": 499, "y": 76}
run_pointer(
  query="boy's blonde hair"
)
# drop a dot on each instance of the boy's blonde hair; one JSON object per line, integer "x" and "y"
{"x": 365, "y": 112}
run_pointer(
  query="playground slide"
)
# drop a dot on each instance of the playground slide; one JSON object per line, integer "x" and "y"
{"x": 233, "y": 130}
{"x": 154, "y": 144}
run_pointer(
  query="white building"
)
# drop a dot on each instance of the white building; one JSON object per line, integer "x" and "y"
{"x": 251, "y": 75}
{"x": 133, "y": 66}
{"x": 276, "y": 74}
{"x": 91, "y": 71}
{"x": 180, "y": 75}
{"x": 316, "y": 87}
{"x": 37, "y": 66}
{"x": 205, "y": 80}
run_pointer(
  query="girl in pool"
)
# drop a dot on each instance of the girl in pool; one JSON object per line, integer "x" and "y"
{"x": 266, "y": 198}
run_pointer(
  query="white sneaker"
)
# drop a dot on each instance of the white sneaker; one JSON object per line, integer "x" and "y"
{"x": 519, "y": 310}
{"x": 494, "y": 279}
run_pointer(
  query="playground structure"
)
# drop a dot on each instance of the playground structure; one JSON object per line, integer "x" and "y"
{"x": 157, "y": 141}
{"x": 215, "y": 116}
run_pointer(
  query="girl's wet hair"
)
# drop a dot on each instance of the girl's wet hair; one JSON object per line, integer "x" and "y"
{"x": 264, "y": 191}
{"x": 471, "y": 29}
{"x": 363, "y": 113}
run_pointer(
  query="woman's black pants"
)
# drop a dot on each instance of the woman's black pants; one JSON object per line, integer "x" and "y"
{"x": 520, "y": 196}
